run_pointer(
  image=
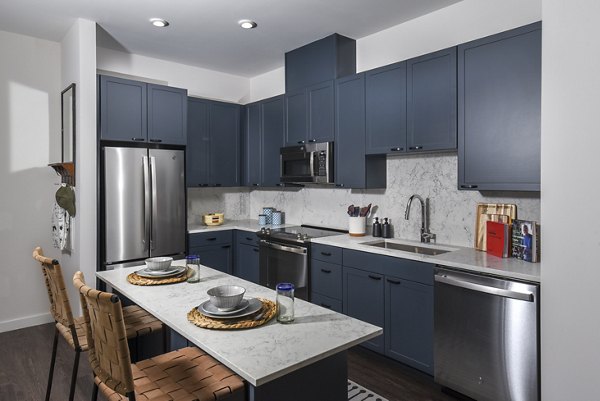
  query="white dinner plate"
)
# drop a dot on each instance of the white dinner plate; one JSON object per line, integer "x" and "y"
{"x": 208, "y": 307}
{"x": 254, "y": 305}
{"x": 172, "y": 271}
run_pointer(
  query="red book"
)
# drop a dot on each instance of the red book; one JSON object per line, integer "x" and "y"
{"x": 498, "y": 239}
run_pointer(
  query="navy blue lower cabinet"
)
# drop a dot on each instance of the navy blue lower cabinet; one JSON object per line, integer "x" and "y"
{"x": 246, "y": 262}
{"x": 364, "y": 300}
{"x": 409, "y": 323}
{"x": 326, "y": 302}
{"x": 218, "y": 257}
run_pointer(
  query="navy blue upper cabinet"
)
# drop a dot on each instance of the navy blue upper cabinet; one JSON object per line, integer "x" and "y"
{"x": 213, "y": 150}
{"x": 198, "y": 139}
{"x": 135, "y": 111}
{"x": 431, "y": 101}
{"x": 262, "y": 139}
{"x": 273, "y": 128}
{"x": 123, "y": 109}
{"x": 167, "y": 115}
{"x": 499, "y": 107}
{"x": 326, "y": 59}
{"x": 352, "y": 168}
{"x": 386, "y": 109}
{"x": 321, "y": 112}
{"x": 224, "y": 128}
{"x": 296, "y": 123}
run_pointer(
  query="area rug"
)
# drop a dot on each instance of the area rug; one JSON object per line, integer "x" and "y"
{"x": 359, "y": 393}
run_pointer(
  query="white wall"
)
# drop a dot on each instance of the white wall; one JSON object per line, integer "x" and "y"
{"x": 266, "y": 85}
{"x": 29, "y": 140}
{"x": 199, "y": 82}
{"x": 79, "y": 67}
{"x": 571, "y": 233}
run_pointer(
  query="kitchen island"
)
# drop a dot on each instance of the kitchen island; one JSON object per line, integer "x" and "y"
{"x": 299, "y": 361}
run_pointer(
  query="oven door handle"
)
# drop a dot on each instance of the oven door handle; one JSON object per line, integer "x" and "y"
{"x": 294, "y": 249}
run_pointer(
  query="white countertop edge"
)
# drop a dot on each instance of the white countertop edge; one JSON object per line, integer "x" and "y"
{"x": 243, "y": 225}
{"x": 507, "y": 267}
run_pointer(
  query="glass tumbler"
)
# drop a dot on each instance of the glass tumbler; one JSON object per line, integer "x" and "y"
{"x": 285, "y": 302}
{"x": 193, "y": 263}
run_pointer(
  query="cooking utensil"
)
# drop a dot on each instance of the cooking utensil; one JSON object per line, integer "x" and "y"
{"x": 368, "y": 210}
{"x": 356, "y": 211}
{"x": 350, "y": 210}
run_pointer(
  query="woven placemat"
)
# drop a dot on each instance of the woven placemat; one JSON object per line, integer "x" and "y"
{"x": 266, "y": 313}
{"x": 134, "y": 279}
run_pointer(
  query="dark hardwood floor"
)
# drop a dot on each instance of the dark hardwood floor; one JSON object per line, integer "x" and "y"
{"x": 25, "y": 360}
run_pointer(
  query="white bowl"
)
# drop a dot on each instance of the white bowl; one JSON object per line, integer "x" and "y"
{"x": 226, "y": 297}
{"x": 160, "y": 263}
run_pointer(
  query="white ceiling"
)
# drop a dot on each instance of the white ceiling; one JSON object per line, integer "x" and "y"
{"x": 205, "y": 33}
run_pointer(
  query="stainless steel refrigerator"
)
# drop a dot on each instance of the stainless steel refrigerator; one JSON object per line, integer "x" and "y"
{"x": 144, "y": 207}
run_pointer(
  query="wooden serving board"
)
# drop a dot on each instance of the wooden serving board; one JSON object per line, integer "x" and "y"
{"x": 499, "y": 212}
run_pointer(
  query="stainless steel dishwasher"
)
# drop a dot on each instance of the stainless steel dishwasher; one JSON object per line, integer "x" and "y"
{"x": 486, "y": 336}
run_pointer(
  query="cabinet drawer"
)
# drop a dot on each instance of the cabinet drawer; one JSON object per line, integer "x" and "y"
{"x": 210, "y": 238}
{"x": 326, "y": 278}
{"x": 326, "y": 302}
{"x": 246, "y": 237}
{"x": 326, "y": 253}
{"x": 388, "y": 265}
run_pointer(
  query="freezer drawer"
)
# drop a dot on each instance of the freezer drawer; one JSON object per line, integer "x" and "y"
{"x": 486, "y": 336}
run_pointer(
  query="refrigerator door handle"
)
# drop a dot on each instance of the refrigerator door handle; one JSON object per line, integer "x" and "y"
{"x": 146, "y": 170}
{"x": 154, "y": 200}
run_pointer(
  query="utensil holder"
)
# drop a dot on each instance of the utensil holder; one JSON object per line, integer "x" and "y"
{"x": 357, "y": 226}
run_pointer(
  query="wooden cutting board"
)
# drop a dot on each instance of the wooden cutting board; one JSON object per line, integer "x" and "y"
{"x": 500, "y": 212}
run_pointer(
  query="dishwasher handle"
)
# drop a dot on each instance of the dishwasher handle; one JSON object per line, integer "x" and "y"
{"x": 523, "y": 296}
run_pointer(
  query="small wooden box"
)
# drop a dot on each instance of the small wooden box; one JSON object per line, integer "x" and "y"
{"x": 213, "y": 219}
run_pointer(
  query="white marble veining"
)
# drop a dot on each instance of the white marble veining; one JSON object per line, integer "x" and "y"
{"x": 233, "y": 202}
{"x": 244, "y": 225}
{"x": 258, "y": 355}
{"x": 462, "y": 258}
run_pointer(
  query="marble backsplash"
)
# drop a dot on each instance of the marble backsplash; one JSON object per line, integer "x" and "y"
{"x": 452, "y": 215}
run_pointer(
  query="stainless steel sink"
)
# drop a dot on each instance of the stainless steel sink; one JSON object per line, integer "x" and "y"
{"x": 407, "y": 248}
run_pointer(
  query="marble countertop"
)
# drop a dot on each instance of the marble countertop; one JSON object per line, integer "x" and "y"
{"x": 468, "y": 259}
{"x": 258, "y": 355}
{"x": 245, "y": 225}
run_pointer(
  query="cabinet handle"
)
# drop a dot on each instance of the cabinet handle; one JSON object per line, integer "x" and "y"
{"x": 469, "y": 186}
{"x": 256, "y": 185}
{"x": 397, "y": 149}
{"x": 279, "y": 185}
{"x": 312, "y": 140}
{"x": 374, "y": 277}
{"x": 301, "y": 142}
{"x": 211, "y": 239}
{"x": 324, "y": 305}
{"x": 255, "y": 249}
{"x": 226, "y": 246}
{"x": 138, "y": 139}
{"x": 156, "y": 140}
{"x": 326, "y": 253}
{"x": 339, "y": 185}
{"x": 326, "y": 271}
{"x": 217, "y": 185}
{"x": 393, "y": 281}
{"x": 249, "y": 238}
{"x": 415, "y": 148}
{"x": 202, "y": 185}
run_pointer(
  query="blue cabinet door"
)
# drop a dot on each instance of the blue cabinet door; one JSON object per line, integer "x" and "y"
{"x": 321, "y": 110}
{"x": 251, "y": 146}
{"x": 224, "y": 128}
{"x": 246, "y": 263}
{"x": 167, "y": 115}
{"x": 218, "y": 257}
{"x": 364, "y": 300}
{"x": 386, "y": 109}
{"x": 499, "y": 108}
{"x": 198, "y": 140}
{"x": 296, "y": 122}
{"x": 431, "y": 101}
{"x": 409, "y": 322}
{"x": 273, "y": 129}
{"x": 123, "y": 110}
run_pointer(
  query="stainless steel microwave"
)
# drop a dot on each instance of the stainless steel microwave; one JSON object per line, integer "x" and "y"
{"x": 309, "y": 163}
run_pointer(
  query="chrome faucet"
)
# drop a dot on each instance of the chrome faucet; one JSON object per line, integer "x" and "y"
{"x": 426, "y": 236}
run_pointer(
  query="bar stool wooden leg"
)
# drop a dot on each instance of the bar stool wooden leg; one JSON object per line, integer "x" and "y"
{"x": 74, "y": 375}
{"x": 52, "y": 362}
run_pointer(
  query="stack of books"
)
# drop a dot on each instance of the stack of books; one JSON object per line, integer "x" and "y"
{"x": 498, "y": 239}
{"x": 526, "y": 240}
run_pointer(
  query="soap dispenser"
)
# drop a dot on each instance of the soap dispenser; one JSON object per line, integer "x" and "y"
{"x": 386, "y": 229}
{"x": 376, "y": 228}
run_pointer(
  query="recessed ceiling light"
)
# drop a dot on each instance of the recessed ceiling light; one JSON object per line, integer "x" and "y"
{"x": 247, "y": 24}
{"x": 159, "y": 22}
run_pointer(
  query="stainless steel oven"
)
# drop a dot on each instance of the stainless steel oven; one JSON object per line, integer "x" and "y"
{"x": 284, "y": 263}
{"x": 310, "y": 163}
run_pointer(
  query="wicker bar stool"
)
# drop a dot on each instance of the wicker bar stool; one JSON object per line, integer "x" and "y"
{"x": 188, "y": 374}
{"x": 138, "y": 322}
